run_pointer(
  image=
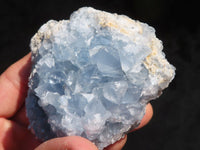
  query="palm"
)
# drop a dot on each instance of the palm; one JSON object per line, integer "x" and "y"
{"x": 14, "y": 135}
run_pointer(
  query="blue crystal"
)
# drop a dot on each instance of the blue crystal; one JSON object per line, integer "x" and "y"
{"x": 93, "y": 75}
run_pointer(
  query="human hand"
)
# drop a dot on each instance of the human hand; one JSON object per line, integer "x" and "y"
{"x": 14, "y": 133}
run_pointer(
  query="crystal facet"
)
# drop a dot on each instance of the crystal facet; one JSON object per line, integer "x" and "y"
{"x": 93, "y": 75}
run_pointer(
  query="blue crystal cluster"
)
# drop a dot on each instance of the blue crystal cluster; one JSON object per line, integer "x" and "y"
{"x": 89, "y": 78}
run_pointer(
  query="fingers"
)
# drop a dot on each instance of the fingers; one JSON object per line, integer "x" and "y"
{"x": 147, "y": 117}
{"x": 63, "y": 143}
{"x": 67, "y": 143}
{"x": 117, "y": 145}
{"x": 20, "y": 117}
{"x": 13, "y": 86}
{"x": 14, "y": 136}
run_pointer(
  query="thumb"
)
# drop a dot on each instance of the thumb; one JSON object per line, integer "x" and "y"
{"x": 67, "y": 143}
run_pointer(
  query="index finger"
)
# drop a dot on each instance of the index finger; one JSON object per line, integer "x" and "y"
{"x": 13, "y": 86}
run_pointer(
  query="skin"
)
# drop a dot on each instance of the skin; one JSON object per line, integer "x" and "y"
{"x": 14, "y": 123}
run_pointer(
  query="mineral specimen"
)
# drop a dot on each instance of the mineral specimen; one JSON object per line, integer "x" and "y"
{"x": 93, "y": 75}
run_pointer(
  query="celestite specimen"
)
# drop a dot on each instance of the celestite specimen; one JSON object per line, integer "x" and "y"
{"x": 93, "y": 75}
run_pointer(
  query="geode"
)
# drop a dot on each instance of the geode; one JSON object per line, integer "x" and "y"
{"x": 92, "y": 76}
